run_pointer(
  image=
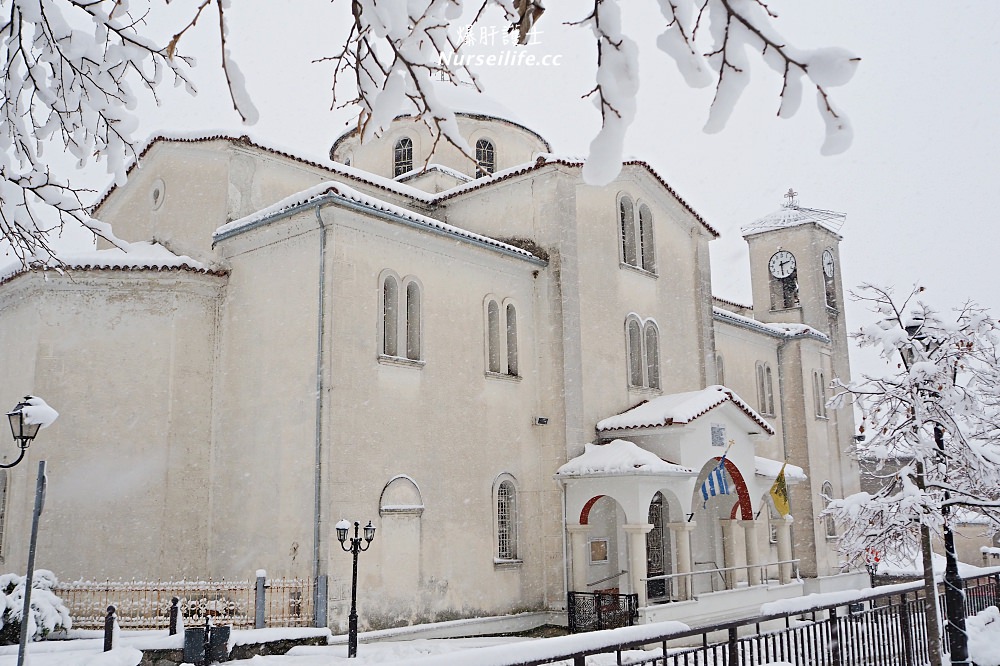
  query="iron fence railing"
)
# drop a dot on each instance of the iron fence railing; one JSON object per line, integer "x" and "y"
{"x": 287, "y": 602}
{"x": 592, "y": 611}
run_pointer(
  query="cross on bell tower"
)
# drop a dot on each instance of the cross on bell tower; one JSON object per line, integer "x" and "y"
{"x": 790, "y": 196}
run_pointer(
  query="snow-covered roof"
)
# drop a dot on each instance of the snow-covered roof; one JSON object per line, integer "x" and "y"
{"x": 143, "y": 255}
{"x": 793, "y": 215}
{"x": 778, "y": 330}
{"x": 619, "y": 457}
{"x": 546, "y": 159}
{"x": 448, "y": 171}
{"x": 771, "y": 468}
{"x": 679, "y": 409}
{"x": 335, "y": 191}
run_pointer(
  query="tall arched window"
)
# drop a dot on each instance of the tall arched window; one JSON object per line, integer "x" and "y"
{"x": 634, "y": 353}
{"x": 652, "y": 350}
{"x": 831, "y": 525}
{"x": 413, "y": 321}
{"x": 506, "y": 519}
{"x": 648, "y": 253}
{"x": 642, "y": 342}
{"x": 626, "y": 219}
{"x": 511, "y": 340}
{"x": 720, "y": 369}
{"x": 400, "y": 318}
{"x": 819, "y": 394}
{"x": 765, "y": 391}
{"x": 390, "y": 316}
{"x": 493, "y": 335}
{"x": 486, "y": 157}
{"x": 402, "y": 156}
{"x": 501, "y": 338}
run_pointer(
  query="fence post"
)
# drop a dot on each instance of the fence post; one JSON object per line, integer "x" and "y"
{"x": 835, "y": 656}
{"x": 734, "y": 652}
{"x": 258, "y": 604}
{"x": 174, "y": 611}
{"x": 109, "y": 629}
{"x": 905, "y": 630}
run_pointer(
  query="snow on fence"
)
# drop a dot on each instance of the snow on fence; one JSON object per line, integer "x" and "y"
{"x": 287, "y": 602}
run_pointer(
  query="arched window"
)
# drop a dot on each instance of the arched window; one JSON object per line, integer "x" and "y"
{"x": 402, "y": 156}
{"x": 501, "y": 338}
{"x": 400, "y": 318}
{"x": 506, "y": 519}
{"x": 390, "y": 316}
{"x": 511, "y": 340}
{"x": 413, "y": 321}
{"x": 486, "y": 156}
{"x": 626, "y": 219}
{"x": 648, "y": 251}
{"x": 642, "y": 343}
{"x": 634, "y": 353}
{"x": 652, "y": 355}
{"x": 831, "y": 525}
{"x": 765, "y": 393}
{"x": 493, "y": 335}
{"x": 720, "y": 370}
{"x": 819, "y": 394}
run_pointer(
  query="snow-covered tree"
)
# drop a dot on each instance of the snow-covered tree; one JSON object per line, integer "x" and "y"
{"x": 931, "y": 429}
{"x": 74, "y": 69}
{"x": 931, "y": 425}
{"x": 48, "y": 613}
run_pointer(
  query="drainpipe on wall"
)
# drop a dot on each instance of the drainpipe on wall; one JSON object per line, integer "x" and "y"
{"x": 319, "y": 591}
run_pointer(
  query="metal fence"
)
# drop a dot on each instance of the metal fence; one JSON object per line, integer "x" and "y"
{"x": 884, "y": 629}
{"x": 286, "y": 602}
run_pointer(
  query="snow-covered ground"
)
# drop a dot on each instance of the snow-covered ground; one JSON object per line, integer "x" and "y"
{"x": 984, "y": 635}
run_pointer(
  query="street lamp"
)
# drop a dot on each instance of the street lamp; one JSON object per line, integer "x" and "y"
{"x": 24, "y": 432}
{"x": 352, "y": 620}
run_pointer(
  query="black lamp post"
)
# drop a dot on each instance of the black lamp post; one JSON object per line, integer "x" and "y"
{"x": 352, "y": 620}
{"x": 23, "y": 432}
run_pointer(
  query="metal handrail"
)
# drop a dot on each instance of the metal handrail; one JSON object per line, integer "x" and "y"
{"x": 607, "y": 578}
{"x": 762, "y": 565}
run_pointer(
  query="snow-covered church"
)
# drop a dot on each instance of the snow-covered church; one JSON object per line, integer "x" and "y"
{"x": 522, "y": 381}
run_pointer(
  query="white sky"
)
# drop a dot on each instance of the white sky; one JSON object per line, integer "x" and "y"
{"x": 918, "y": 185}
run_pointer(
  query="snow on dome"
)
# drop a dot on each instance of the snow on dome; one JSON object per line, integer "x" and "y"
{"x": 466, "y": 99}
{"x": 791, "y": 214}
{"x": 619, "y": 457}
{"x": 680, "y": 408}
{"x": 771, "y": 468}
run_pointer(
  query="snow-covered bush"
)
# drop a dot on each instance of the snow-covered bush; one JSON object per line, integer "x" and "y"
{"x": 48, "y": 613}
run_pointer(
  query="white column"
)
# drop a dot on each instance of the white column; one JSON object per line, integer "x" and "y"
{"x": 682, "y": 544}
{"x": 784, "y": 529}
{"x": 579, "y": 547}
{"x": 729, "y": 551}
{"x": 754, "y": 576}
{"x": 637, "y": 558}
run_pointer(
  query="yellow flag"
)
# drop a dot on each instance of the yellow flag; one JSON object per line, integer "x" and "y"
{"x": 779, "y": 493}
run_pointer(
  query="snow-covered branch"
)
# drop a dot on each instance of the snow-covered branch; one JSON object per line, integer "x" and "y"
{"x": 71, "y": 68}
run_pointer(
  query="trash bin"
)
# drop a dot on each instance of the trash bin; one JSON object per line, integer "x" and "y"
{"x": 194, "y": 645}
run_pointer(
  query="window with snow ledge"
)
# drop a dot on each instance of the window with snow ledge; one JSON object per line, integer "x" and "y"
{"x": 401, "y": 326}
{"x": 501, "y": 339}
{"x": 505, "y": 518}
{"x": 642, "y": 341}
{"x": 486, "y": 157}
{"x": 635, "y": 225}
{"x": 402, "y": 156}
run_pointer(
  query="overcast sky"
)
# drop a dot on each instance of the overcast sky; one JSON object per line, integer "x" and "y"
{"x": 918, "y": 186}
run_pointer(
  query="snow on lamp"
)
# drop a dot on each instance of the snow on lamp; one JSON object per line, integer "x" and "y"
{"x": 27, "y": 417}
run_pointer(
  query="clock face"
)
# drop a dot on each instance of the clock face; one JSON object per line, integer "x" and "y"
{"x": 828, "y": 263}
{"x": 782, "y": 264}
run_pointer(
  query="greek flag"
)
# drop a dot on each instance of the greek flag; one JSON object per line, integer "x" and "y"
{"x": 716, "y": 483}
